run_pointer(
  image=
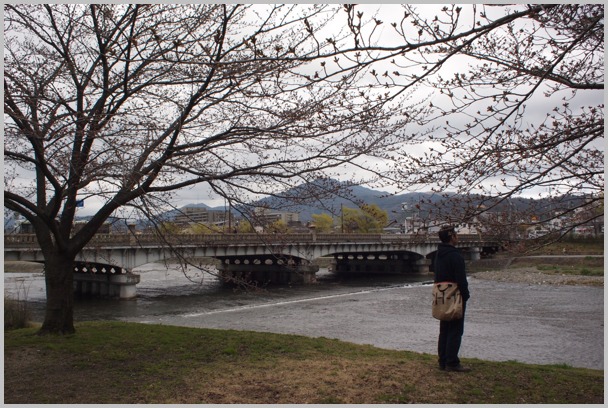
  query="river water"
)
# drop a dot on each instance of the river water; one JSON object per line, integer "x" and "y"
{"x": 541, "y": 324}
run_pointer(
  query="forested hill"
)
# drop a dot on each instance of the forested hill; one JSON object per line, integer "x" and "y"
{"x": 397, "y": 205}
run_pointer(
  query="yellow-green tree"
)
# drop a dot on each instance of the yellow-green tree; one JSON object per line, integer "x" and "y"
{"x": 366, "y": 219}
{"x": 378, "y": 217}
{"x": 278, "y": 227}
{"x": 201, "y": 228}
{"x": 323, "y": 222}
{"x": 169, "y": 228}
{"x": 245, "y": 227}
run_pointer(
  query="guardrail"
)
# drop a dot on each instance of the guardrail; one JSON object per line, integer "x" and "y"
{"x": 120, "y": 240}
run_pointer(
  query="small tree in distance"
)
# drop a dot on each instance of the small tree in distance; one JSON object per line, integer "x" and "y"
{"x": 323, "y": 223}
{"x": 369, "y": 218}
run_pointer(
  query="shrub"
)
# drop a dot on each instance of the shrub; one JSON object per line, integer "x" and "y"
{"x": 17, "y": 314}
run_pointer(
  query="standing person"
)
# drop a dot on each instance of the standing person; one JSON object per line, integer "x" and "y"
{"x": 449, "y": 267}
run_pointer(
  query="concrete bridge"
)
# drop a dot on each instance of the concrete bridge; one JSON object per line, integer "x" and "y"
{"x": 104, "y": 267}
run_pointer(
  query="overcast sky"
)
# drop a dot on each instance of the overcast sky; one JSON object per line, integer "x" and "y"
{"x": 537, "y": 107}
{"x": 389, "y": 13}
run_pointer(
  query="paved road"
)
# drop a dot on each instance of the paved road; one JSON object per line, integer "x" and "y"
{"x": 539, "y": 324}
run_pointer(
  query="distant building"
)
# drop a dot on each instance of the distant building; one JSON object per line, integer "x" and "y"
{"x": 198, "y": 215}
{"x": 105, "y": 228}
{"x": 25, "y": 227}
{"x": 265, "y": 216}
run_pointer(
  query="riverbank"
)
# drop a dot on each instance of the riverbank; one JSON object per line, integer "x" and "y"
{"x": 543, "y": 270}
{"x": 531, "y": 275}
{"x": 527, "y": 341}
{"x": 532, "y": 315}
{"x": 130, "y": 363}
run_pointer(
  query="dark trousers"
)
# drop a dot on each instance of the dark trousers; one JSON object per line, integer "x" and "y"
{"x": 450, "y": 337}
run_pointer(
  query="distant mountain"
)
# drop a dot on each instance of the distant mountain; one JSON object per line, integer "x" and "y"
{"x": 202, "y": 205}
{"x": 398, "y": 206}
{"x": 350, "y": 196}
{"x": 332, "y": 195}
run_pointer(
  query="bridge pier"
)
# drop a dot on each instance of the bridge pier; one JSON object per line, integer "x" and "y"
{"x": 121, "y": 286}
{"x": 265, "y": 270}
{"x": 422, "y": 266}
{"x": 396, "y": 263}
{"x": 475, "y": 253}
{"x": 100, "y": 280}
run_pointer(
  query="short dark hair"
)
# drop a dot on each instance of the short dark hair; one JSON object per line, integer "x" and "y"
{"x": 446, "y": 232}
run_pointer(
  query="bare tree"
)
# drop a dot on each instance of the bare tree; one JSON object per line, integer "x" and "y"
{"x": 124, "y": 104}
{"x": 517, "y": 102}
{"x": 515, "y": 105}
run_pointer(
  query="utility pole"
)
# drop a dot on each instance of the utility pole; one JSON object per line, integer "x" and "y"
{"x": 229, "y": 216}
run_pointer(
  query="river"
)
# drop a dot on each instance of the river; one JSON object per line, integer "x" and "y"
{"x": 541, "y": 324}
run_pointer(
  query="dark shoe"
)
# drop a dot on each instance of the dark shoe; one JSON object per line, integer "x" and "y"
{"x": 442, "y": 367}
{"x": 457, "y": 369}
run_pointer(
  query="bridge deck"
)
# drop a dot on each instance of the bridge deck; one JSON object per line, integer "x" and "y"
{"x": 130, "y": 240}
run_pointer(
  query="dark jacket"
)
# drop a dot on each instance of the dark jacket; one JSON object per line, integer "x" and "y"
{"x": 449, "y": 267}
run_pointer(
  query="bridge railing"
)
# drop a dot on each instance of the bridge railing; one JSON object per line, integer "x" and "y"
{"x": 12, "y": 240}
{"x": 120, "y": 240}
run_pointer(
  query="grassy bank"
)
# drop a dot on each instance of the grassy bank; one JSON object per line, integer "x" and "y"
{"x": 111, "y": 362}
{"x": 567, "y": 246}
{"x": 584, "y": 266}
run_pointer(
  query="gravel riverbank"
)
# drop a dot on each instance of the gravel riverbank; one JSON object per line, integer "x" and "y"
{"x": 531, "y": 275}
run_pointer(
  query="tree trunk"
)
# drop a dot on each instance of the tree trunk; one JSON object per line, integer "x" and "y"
{"x": 59, "y": 276}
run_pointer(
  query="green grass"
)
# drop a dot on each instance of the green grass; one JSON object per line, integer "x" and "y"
{"x": 572, "y": 246}
{"x": 571, "y": 270}
{"x": 584, "y": 265}
{"x": 122, "y": 363}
